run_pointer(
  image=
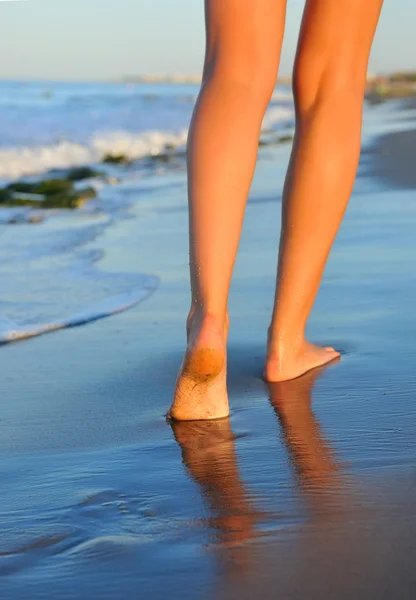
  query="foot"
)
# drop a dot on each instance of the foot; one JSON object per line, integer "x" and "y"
{"x": 201, "y": 390}
{"x": 284, "y": 362}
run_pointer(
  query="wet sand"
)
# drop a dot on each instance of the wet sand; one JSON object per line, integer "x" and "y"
{"x": 393, "y": 153}
{"x": 394, "y": 159}
{"x": 307, "y": 491}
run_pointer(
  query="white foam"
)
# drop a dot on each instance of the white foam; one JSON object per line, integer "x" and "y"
{"x": 11, "y": 331}
{"x": 17, "y": 162}
{"x": 53, "y": 277}
{"x": 278, "y": 116}
{"x": 282, "y": 95}
{"x": 11, "y": 214}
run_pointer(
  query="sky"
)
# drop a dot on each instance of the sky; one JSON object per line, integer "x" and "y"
{"x": 107, "y": 39}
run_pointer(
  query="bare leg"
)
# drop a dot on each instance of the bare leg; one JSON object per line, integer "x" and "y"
{"x": 242, "y": 57}
{"x": 329, "y": 82}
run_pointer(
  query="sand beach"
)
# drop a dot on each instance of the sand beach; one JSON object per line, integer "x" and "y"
{"x": 307, "y": 491}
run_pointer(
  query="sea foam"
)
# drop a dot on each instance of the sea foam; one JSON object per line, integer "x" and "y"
{"x": 18, "y": 162}
{"x": 11, "y": 331}
{"x": 22, "y": 161}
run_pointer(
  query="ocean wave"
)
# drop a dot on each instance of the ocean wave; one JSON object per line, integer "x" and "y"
{"x": 278, "y": 117}
{"x": 53, "y": 277}
{"x": 283, "y": 95}
{"x": 11, "y": 331}
{"x": 18, "y": 162}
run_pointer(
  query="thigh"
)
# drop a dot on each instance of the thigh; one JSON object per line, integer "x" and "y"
{"x": 244, "y": 37}
{"x": 338, "y": 34}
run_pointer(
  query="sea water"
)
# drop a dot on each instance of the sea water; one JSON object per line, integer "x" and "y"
{"x": 101, "y": 499}
{"x": 50, "y": 272}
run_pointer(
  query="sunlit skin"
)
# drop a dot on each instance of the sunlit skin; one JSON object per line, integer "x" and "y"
{"x": 244, "y": 39}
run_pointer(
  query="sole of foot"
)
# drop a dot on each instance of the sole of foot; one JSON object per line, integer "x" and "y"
{"x": 201, "y": 386}
{"x": 286, "y": 366}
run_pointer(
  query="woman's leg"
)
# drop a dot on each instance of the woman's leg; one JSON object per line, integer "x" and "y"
{"x": 242, "y": 56}
{"x": 329, "y": 84}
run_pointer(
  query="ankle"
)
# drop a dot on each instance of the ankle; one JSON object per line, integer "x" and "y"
{"x": 197, "y": 317}
{"x": 283, "y": 342}
{"x": 198, "y": 322}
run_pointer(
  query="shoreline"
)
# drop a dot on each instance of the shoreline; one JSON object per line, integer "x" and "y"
{"x": 391, "y": 155}
{"x": 103, "y": 498}
{"x": 393, "y": 159}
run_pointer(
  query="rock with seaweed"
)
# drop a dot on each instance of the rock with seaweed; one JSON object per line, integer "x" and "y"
{"x": 274, "y": 139}
{"x": 48, "y": 193}
{"x": 5, "y": 196}
{"x": 170, "y": 154}
{"x": 45, "y": 187}
{"x": 116, "y": 159}
{"x": 285, "y": 138}
{"x": 80, "y": 173}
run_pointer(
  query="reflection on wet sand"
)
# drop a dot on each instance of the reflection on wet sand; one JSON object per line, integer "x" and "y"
{"x": 208, "y": 452}
{"x": 209, "y": 455}
{"x": 316, "y": 467}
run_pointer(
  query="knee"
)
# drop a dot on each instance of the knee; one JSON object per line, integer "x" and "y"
{"x": 327, "y": 79}
{"x": 248, "y": 78}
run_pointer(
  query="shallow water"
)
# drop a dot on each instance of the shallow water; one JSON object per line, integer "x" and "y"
{"x": 307, "y": 491}
{"x": 67, "y": 124}
{"x": 58, "y": 262}
{"x": 58, "y": 267}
